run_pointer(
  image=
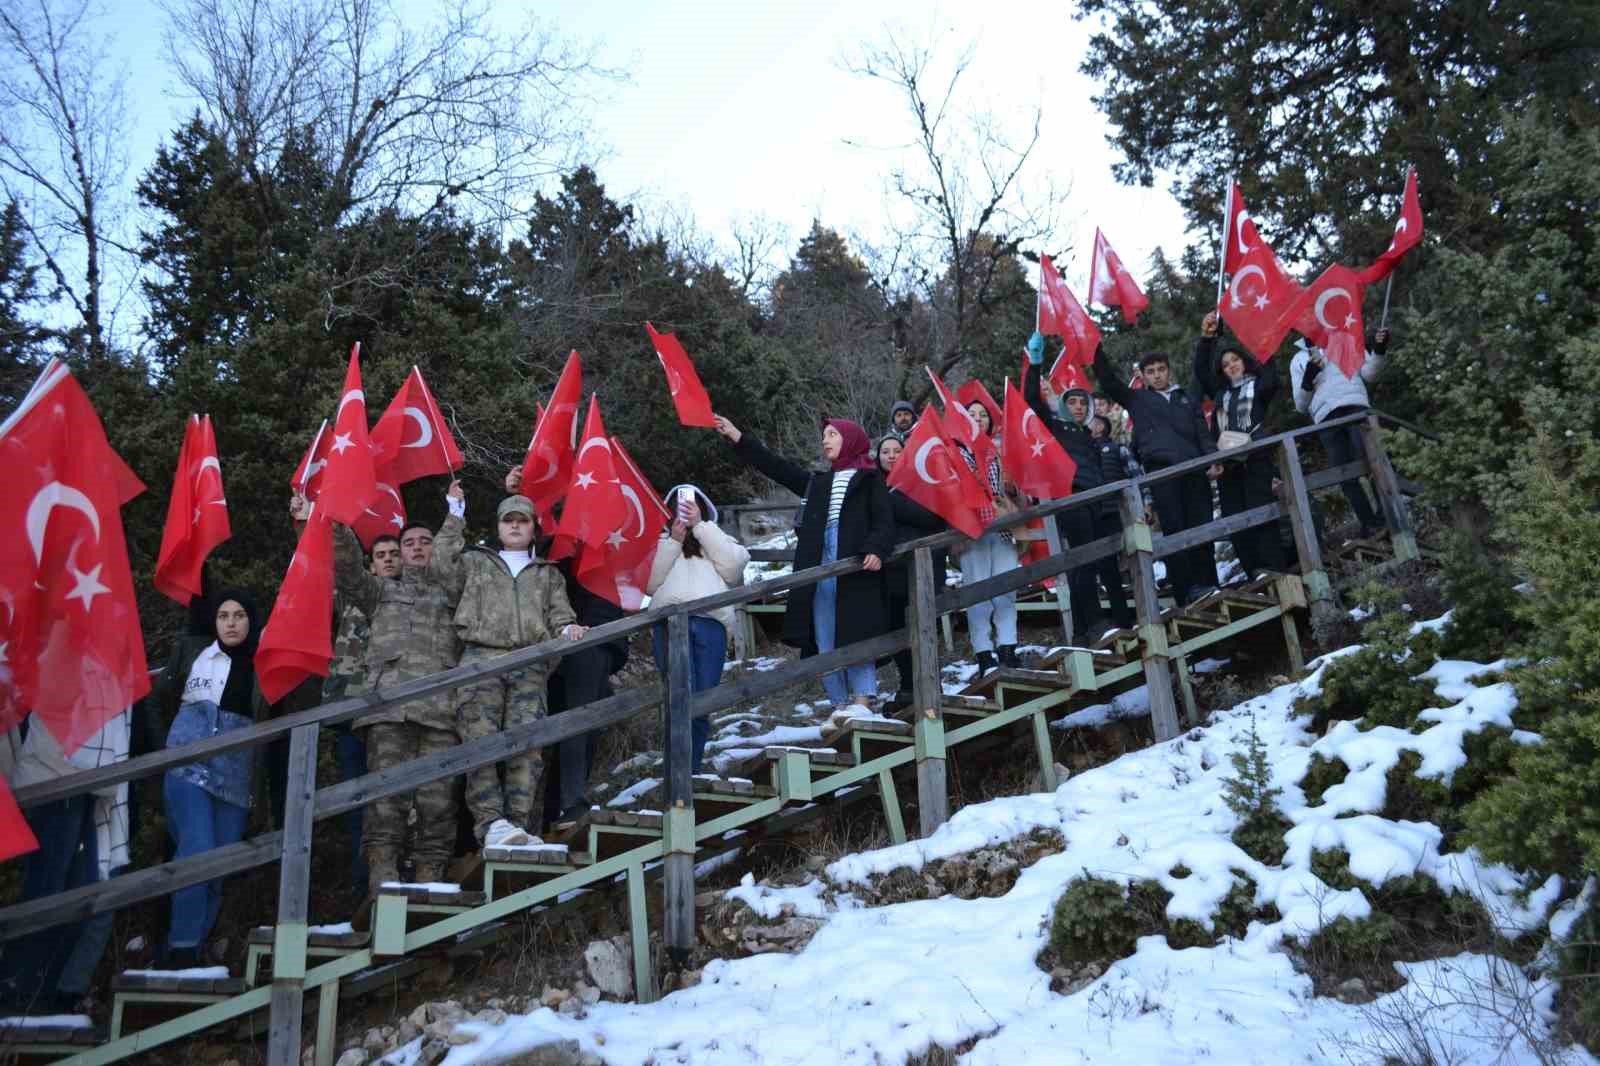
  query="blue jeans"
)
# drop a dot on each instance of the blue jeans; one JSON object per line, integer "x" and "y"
{"x": 708, "y": 647}
{"x": 350, "y": 753}
{"x": 860, "y": 679}
{"x": 198, "y": 822}
{"x": 36, "y": 964}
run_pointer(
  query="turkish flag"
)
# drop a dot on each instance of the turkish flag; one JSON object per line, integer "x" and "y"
{"x": 197, "y": 514}
{"x": 959, "y": 424}
{"x": 631, "y": 550}
{"x": 73, "y": 650}
{"x": 1328, "y": 313}
{"x": 411, "y": 440}
{"x": 688, "y": 395}
{"x": 1239, "y": 231}
{"x": 548, "y": 466}
{"x": 1110, "y": 284}
{"x": 1407, "y": 233}
{"x": 298, "y": 638}
{"x": 1060, "y": 313}
{"x": 930, "y": 472}
{"x": 385, "y": 514}
{"x": 350, "y": 481}
{"x": 973, "y": 391}
{"x": 1065, "y": 375}
{"x": 1256, "y": 302}
{"x": 16, "y": 836}
{"x": 1033, "y": 458}
{"x": 595, "y": 509}
{"x": 307, "y": 476}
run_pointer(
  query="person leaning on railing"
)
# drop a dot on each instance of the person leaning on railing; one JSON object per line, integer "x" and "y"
{"x": 1242, "y": 389}
{"x": 208, "y": 687}
{"x": 1324, "y": 392}
{"x": 695, "y": 559}
{"x": 846, "y": 513}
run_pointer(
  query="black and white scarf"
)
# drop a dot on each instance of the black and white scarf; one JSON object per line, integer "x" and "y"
{"x": 1237, "y": 410}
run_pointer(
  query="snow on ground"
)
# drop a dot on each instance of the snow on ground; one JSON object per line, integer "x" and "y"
{"x": 879, "y": 984}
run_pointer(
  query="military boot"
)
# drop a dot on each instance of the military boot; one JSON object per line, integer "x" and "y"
{"x": 383, "y": 866}
{"x": 429, "y": 872}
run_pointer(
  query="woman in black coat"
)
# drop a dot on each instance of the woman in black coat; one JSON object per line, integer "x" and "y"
{"x": 911, "y": 520}
{"x": 1242, "y": 389}
{"x": 845, "y": 513}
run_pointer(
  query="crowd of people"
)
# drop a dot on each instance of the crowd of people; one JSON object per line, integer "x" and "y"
{"x": 426, "y": 600}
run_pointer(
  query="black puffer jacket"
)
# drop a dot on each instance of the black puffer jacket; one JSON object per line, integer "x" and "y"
{"x": 1167, "y": 429}
{"x": 1076, "y": 439}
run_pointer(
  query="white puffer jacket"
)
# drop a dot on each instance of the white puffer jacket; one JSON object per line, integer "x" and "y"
{"x": 1332, "y": 389}
{"x": 718, "y": 568}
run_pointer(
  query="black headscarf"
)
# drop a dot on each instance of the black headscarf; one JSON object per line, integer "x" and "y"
{"x": 236, "y": 694}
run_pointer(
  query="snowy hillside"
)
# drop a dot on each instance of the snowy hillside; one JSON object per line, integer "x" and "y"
{"x": 879, "y": 984}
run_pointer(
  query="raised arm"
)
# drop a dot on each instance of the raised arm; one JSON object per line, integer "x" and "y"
{"x": 447, "y": 568}
{"x": 353, "y": 583}
{"x": 1205, "y": 357}
{"x": 753, "y": 453}
{"x": 1034, "y": 394}
{"x": 1111, "y": 382}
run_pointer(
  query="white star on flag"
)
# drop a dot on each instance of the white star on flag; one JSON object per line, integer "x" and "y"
{"x": 88, "y": 586}
{"x": 1038, "y": 448}
{"x": 585, "y": 480}
{"x": 341, "y": 442}
{"x": 616, "y": 538}
{"x": 1261, "y": 302}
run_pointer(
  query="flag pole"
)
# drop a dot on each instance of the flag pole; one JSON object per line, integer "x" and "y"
{"x": 311, "y": 456}
{"x": 438, "y": 416}
{"x": 1383, "y": 323}
{"x": 1227, "y": 221}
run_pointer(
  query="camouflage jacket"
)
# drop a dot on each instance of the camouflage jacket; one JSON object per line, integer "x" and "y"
{"x": 347, "y": 673}
{"x": 412, "y": 631}
{"x": 497, "y": 610}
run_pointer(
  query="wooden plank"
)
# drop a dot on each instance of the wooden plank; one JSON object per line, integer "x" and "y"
{"x": 1305, "y": 531}
{"x": 1390, "y": 497}
{"x": 155, "y": 981}
{"x": 1147, "y": 608}
{"x": 677, "y": 925}
{"x": 963, "y": 596}
{"x": 294, "y": 901}
{"x": 933, "y": 799}
{"x": 1063, "y": 596}
{"x": 1216, "y": 529}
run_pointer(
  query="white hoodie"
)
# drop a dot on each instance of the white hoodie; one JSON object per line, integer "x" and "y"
{"x": 718, "y": 568}
{"x": 1332, "y": 389}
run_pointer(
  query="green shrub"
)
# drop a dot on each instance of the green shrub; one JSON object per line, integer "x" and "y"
{"x": 1238, "y": 908}
{"x": 1321, "y": 775}
{"x": 1409, "y": 798}
{"x": 1481, "y": 590}
{"x": 1097, "y": 920}
{"x": 1578, "y": 966}
{"x": 1332, "y": 867}
{"x": 1378, "y": 684}
{"x": 1250, "y": 795}
{"x": 1354, "y": 944}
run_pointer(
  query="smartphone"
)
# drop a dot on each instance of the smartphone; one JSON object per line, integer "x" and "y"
{"x": 685, "y": 502}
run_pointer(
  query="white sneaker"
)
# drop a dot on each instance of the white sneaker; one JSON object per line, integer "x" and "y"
{"x": 850, "y": 710}
{"x": 502, "y": 833}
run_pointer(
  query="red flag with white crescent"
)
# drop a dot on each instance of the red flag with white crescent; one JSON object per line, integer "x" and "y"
{"x": 385, "y": 514}
{"x": 548, "y": 466}
{"x": 688, "y": 394}
{"x": 972, "y": 391}
{"x": 595, "y": 508}
{"x": 307, "y": 476}
{"x": 411, "y": 440}
{"x": 297, "y": 640}
{"x": 1066, "y": 374}
{"x": 197, "y": 514}
{"x": 1239, "y": 230}
{"x": 1033, "y": 459}
{"x": 958, "y": 424}
{"x": 1407, "y": 233}
{"x": 1257, "y": 299}
{"x": 631, "y": 550}
{"x": 1110, "y": 284}
{"x": 71, "y": 647}
{"x": 1061, "y": 314}
{"x": 930, "y": 472}
{"x": 351, "y": 480}
{"x": 1328, "y": 313}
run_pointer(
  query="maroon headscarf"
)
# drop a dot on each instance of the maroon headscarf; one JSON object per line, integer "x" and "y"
{"x": 856, "y": 452}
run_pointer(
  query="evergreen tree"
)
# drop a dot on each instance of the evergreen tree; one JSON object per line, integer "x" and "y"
{"x": 21, "y": 336}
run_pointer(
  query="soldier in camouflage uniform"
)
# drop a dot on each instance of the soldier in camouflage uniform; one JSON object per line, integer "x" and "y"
{"x": 412, "y": 634}
{"x": 508, "y": 599}
{"x": 347, "y": 674}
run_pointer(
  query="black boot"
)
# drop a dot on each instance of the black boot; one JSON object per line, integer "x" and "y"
{"x": 986, "y": 662}
{"x": 1008, "y": 656}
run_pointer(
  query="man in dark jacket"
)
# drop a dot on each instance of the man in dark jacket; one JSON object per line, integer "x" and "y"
{"x": 1068, "y": 423}
{"x": 1169, "y": 428}
{"x": 902, "y": 420}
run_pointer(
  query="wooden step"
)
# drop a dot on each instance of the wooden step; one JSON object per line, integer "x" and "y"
{"x": 25, "y": 1036}
{"x": 430, "y": 897}
{"x": 538, "y": 855}
{"x": 823, "y": 760}
{"x": 876, "y": 729}
{"x": 1004, "y": 682}
{"x": 178, "y": 983}
{"x": 352, "y": 941}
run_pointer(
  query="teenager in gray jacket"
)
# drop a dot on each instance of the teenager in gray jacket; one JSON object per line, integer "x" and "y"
{"x": 1324, "y": 392}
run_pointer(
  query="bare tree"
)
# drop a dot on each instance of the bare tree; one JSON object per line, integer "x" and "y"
{"x": 964, "y": 212}
{"x": 401, "y": 117}
{"x": 758, "y": 241}
{"x": 62, "y": 116}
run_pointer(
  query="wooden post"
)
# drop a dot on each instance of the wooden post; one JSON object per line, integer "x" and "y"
{"x": 1052, "y": 540}
{"x": 933, "y": 800}
{"x": 1137, "y": 548}
{"x": 1390, "y": 498}
{"x": 1298, "y": 502}
{"x": 294, "y": 898}
{"x": 677, "y": 868}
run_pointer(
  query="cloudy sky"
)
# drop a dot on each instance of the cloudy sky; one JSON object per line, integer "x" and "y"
{"x": 734, "y": 109}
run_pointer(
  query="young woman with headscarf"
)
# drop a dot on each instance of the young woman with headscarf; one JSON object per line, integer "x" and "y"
{"x": 846, "y": 513}
{"x": 208, "y": 687}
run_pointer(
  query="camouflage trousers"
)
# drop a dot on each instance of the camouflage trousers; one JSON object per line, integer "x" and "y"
{"x": 490, "y": 706}
{"x": 384, "y": 832}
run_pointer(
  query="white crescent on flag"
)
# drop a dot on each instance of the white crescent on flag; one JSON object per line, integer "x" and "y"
{"x": 46, "y": 499}
{"x": 424, "y": 428}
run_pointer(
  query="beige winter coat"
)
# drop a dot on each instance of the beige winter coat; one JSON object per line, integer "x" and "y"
{"x": 719, "y": 567}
